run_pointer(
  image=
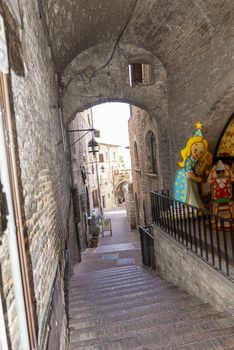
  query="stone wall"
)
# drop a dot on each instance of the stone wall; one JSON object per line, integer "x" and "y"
{"x": 200, "y": 80}
{"x": 130, "y": 205}
{"x": 85, "y": 83}
{"x": 183, "y": 268}
{"x": 143, "y": 180}
{"x": 80, "y": 167}
{"x": 193, "y": 71}
{"x": 44, "y": 167}
{"x": 193, "y": 48}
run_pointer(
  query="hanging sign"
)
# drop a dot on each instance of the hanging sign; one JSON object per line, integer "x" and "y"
{"x": 4, "y": 67}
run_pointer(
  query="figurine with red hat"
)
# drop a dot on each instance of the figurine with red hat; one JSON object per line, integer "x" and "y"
{"x": 220, "y": 179}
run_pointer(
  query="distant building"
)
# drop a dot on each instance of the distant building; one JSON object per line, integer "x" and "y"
{"x": 107, "y": 168}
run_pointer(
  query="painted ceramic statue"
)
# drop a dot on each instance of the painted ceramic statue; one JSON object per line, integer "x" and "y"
{"x": 221, "y": 178}
{"x": 195, "y": 159}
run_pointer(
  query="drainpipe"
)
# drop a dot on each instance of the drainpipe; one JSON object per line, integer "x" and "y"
{"x": 13, "y": 245}
{"x": 3, "y": 336}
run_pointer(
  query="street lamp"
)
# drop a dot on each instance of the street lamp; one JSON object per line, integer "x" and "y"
{"x": 93, "y": 146}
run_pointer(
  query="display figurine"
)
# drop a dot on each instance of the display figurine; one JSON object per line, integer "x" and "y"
{"x": 220, "y": 179}
{"x": 195, "y": 159}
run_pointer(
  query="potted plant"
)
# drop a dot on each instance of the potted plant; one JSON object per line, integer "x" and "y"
{"x": 94, "y": 231}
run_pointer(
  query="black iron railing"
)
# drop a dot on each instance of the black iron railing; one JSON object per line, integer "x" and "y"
{"x": 147, "y": 246}
{"x": 209, "y": 236}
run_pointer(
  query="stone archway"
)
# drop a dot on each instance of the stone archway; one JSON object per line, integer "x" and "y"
{"x": 85, "y": 83}
{"x": 119, "y": 191}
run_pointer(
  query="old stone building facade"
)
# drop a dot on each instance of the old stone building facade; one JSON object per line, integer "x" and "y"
{"x": 40, "y": 184}
{"x": 64, "y": 57}
{"x": 80, "y": 132}
{"x": 112, "y": 174}
{"x": 146, "y": 163}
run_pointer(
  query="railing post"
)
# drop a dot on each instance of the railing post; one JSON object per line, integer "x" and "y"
{"x": 211, "y": 238}
{"x": 147, "y": 247}
{"x": 225, "y": 246}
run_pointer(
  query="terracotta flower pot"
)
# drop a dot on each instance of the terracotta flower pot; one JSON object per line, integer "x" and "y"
{"x": 93, "y": 242}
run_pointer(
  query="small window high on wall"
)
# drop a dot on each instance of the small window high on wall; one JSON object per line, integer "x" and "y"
{"x": 139, "y": 74}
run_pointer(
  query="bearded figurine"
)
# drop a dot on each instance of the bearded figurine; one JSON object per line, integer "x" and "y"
{"x": 220, "y": 179}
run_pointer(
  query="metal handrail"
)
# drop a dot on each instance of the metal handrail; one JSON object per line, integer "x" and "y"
{"x": 147, "y": 246}
{"x": 209, "y": 236}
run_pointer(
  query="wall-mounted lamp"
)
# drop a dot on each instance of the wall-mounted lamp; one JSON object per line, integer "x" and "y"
{"x": 102, "y": 169}
{"x": 93, "y": 146}
{"x": 95, "y": 131}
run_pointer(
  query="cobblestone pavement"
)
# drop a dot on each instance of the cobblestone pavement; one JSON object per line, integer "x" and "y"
{"x": 115, "y": 303}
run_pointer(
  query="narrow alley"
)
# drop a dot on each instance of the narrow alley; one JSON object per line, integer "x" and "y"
{"x": 116, "y": 303}
{"x": 124, "y": 104}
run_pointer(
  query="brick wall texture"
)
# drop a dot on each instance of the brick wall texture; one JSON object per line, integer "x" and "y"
{"x": 140, "y": 125}
{"x": 189, "y": 45}
{"x": 80, "y": 159}
{"x": 130, "y": 205}
{"x": 44, "y": 170}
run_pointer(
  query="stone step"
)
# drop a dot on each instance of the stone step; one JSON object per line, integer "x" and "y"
{"x": 115, "y": 274}
{"x": 115, "y": 287}
{"x": 147, "y": 297}
{"x": 157, "y": 322}
{"x": 164, "y": 306}
{"x": 92, "y": 286}
{"x": 137, "y": 317}
{"x": 110, "y": 271}
{"x": 131, "y": 308}
{"x": 77, "y": 302}
{"x": 100, "y": 282}
{"x": 170, "y": 338}
{"x": 118, "y": 292}
{"x": 185, "y": 314}
{"x": 156, "y": 300}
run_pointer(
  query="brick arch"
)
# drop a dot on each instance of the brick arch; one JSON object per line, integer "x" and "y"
{"x": 85, "y": 83}
{"x": 120, "y": 188}
{"x": 125, "y": 20}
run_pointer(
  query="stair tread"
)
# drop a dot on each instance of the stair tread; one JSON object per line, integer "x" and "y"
{"x": 129, "y": 307}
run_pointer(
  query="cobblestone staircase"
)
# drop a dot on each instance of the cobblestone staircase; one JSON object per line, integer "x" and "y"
{"x": 129, "y": 307}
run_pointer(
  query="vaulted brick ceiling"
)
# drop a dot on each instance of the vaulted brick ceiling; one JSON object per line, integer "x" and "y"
{"x": 175, "y": 31}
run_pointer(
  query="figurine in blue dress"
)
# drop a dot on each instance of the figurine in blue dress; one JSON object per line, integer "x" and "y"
{"x": 196, "y": 158}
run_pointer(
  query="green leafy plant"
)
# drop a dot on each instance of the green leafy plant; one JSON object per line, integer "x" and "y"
{"x": 94, "y": 229}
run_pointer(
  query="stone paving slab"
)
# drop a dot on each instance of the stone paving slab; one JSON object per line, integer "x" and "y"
{"x": 113, "y": 248}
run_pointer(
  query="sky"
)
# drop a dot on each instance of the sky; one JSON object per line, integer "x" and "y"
{"x": 112, "y": 121}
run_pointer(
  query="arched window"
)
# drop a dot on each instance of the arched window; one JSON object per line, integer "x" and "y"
{"x": 136, "y": 155}
{"x": 152, "y": 153}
